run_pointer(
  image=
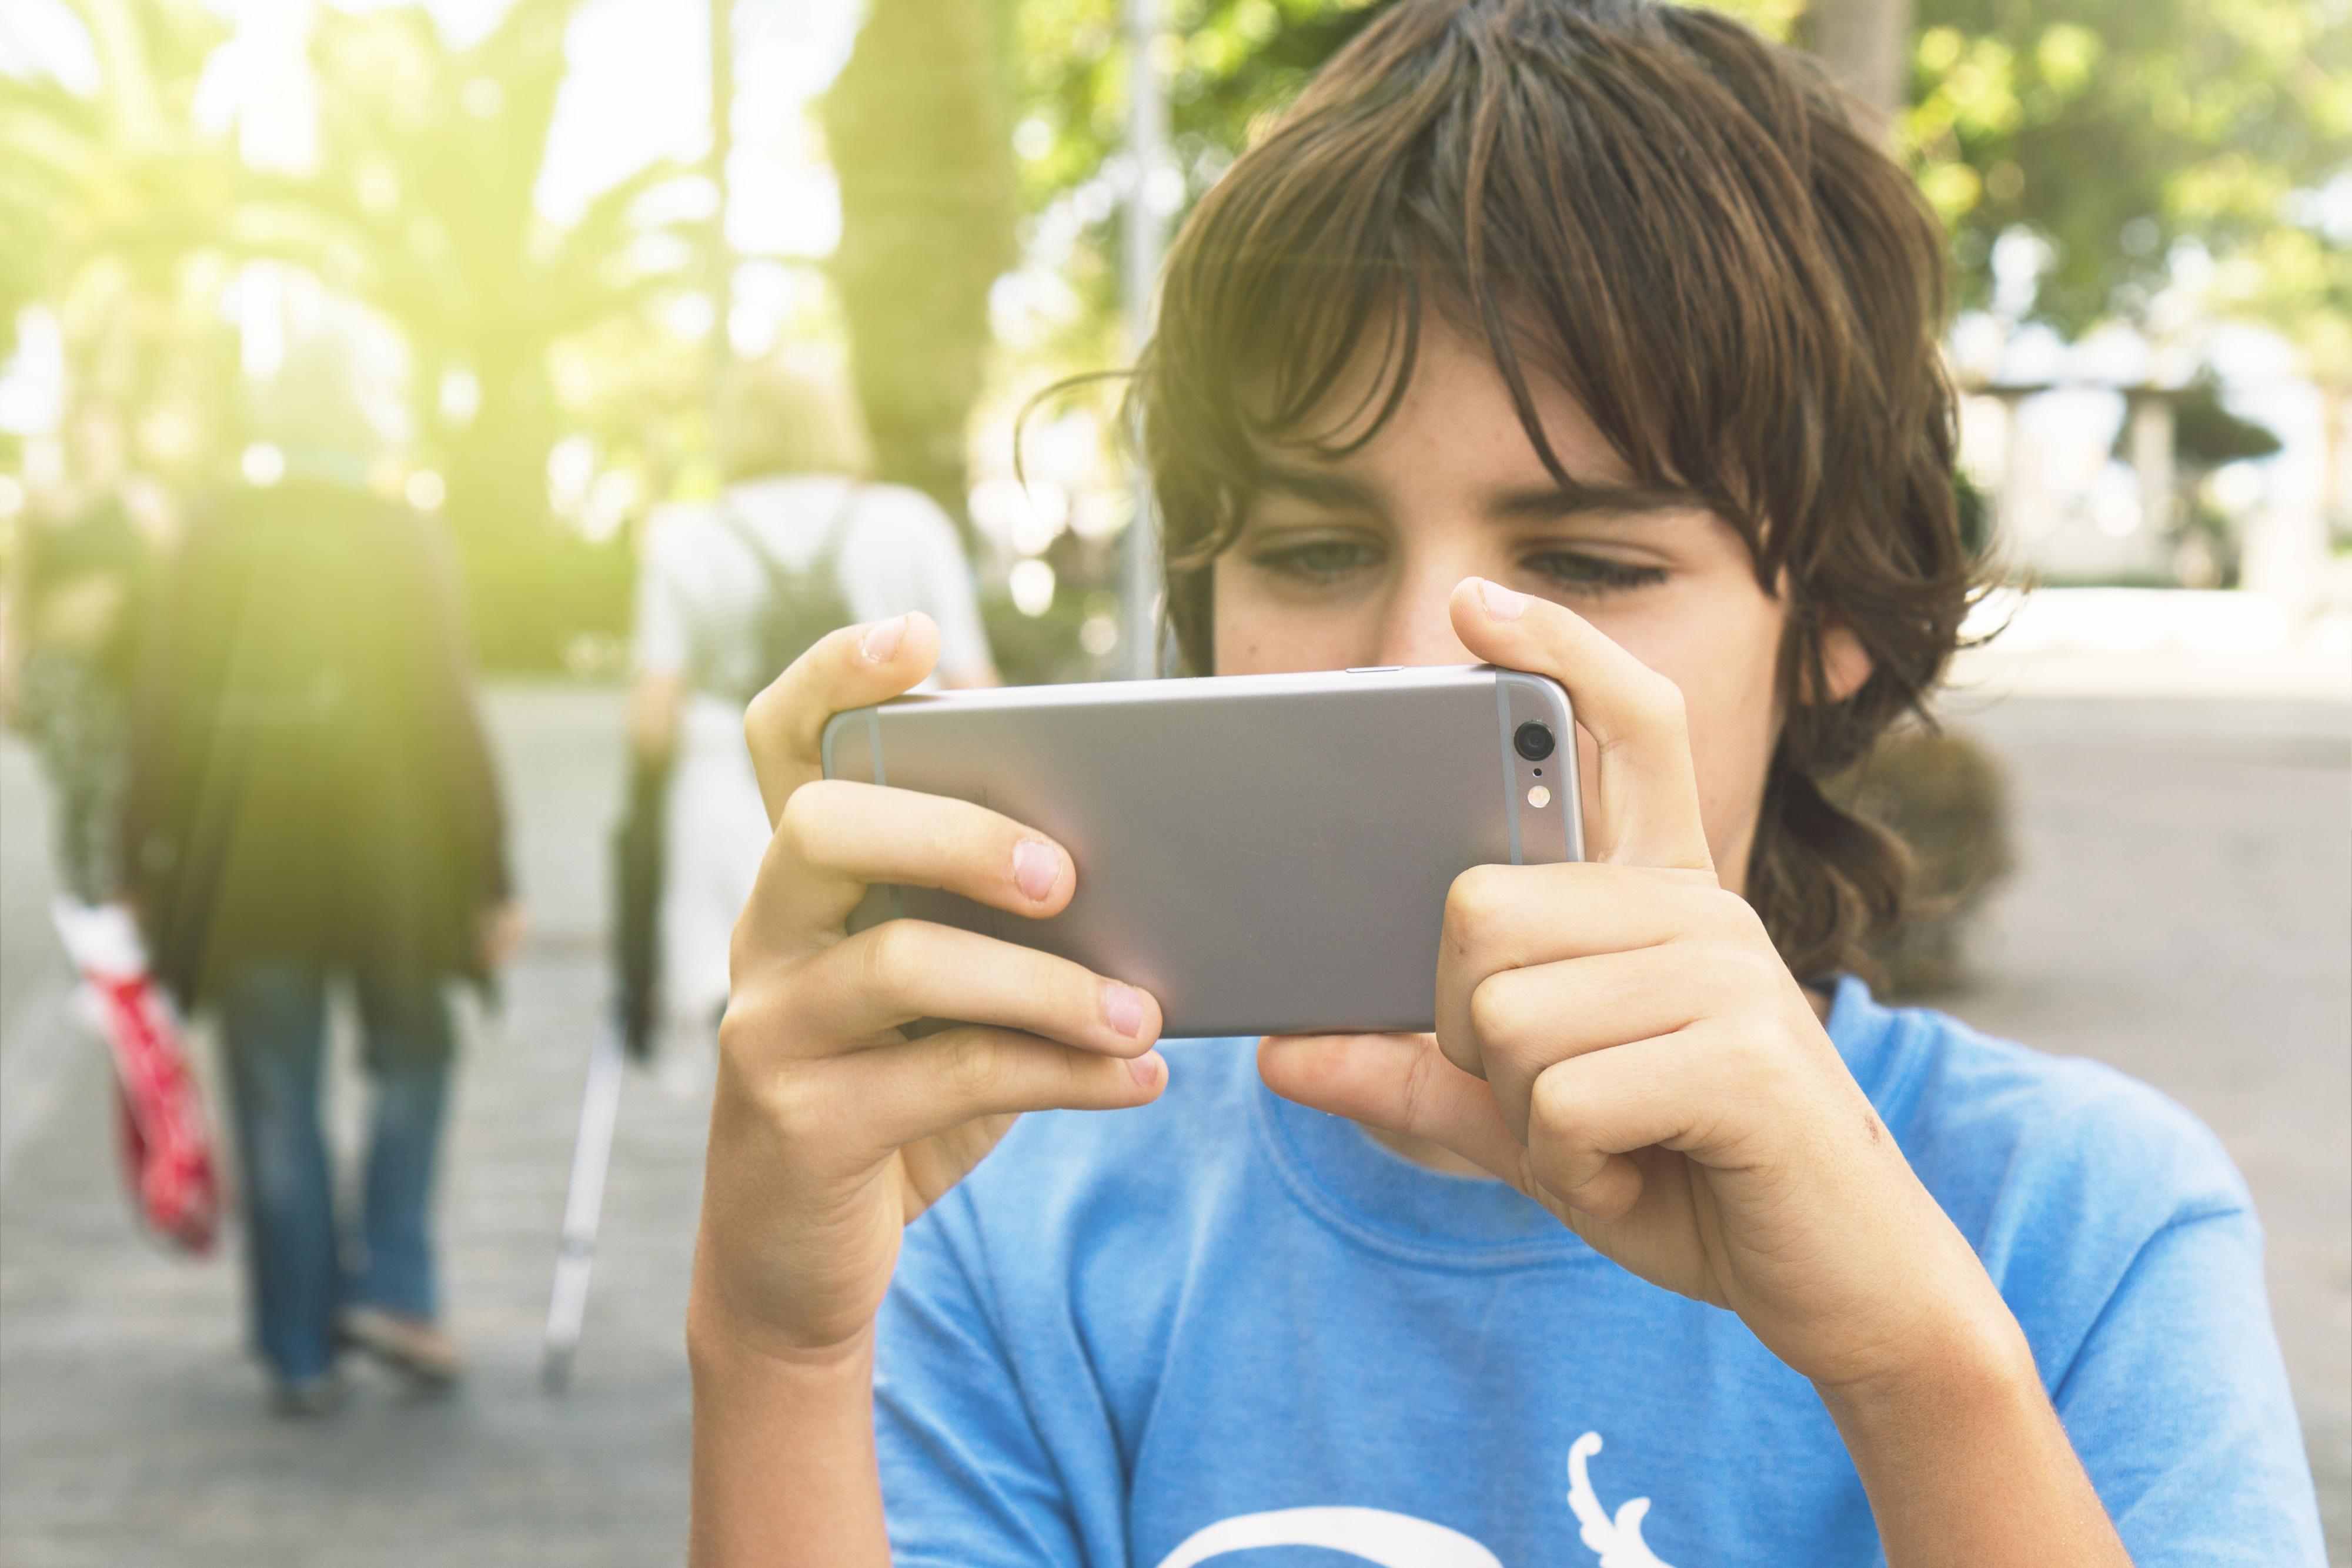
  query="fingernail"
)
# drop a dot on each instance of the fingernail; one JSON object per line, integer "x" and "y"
{"x": 1501, "y": 603}
{"x": 1122, "y": 1008}
{"x": 1144, "y": 1069}
{"x": 881, "y": 640}
{"x": 1035, "y": 867}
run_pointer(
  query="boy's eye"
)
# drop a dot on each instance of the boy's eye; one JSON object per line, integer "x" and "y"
{"x": 1317, "y": 559}
{"x": 1593, "y": 574}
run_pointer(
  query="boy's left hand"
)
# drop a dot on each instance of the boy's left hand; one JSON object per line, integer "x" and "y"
{"x": 1619, "y": 1039}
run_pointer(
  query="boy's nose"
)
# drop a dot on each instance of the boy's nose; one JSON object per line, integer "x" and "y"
{"x": 1416, "y": 629}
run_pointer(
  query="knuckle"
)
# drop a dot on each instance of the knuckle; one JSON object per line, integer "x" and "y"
{"x": 1553, "y": 1110}
{"x": 1732, "y": 915}
{"x": 972, "y": 1068}
{"x": 799, "y": 825}
{"x": 1750, "y": 968}
{"x": 1498, "y": 1015}
{"x": 759, "y": 1019}
{"x": 887, "y": 955}
{"x": 1475, "y": 906}
{"x": 766, "y": 718}
{"x": 1050, "y": 990}
{"x": 1415, "y": 1095}
{"x": 797, "y": 1105}
{"x": 739, "y": 1038}
{"x": 1749, "y": 1063}
{"x": 956, "y": 836}
{"x": 1662, "y": 705}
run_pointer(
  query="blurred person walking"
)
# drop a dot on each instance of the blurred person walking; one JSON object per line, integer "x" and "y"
{"x": 79, "y": 581}
{"x": 75, "y": 578}
{"x": 799, "y": 542}
{"x": 312, "y": 798}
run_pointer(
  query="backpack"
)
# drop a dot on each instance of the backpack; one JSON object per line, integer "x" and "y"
{"x": 795, "y": 608}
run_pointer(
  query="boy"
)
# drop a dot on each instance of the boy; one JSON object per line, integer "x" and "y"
{"x": 1583, "y": 336}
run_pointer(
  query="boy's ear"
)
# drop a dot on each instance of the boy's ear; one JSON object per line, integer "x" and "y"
{"x": 1845, "y": 662}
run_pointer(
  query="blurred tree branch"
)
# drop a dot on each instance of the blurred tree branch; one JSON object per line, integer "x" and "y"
{"x": 2117, "y": 128}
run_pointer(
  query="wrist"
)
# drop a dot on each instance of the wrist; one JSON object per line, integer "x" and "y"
{"x": 1956, "y": 1372}
{"x": 725, "y": 1345}
{"x": 785, "y": 1472}
{"x": 1965, "y": 1460}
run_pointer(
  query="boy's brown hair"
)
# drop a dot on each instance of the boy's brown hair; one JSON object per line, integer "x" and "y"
{"x": 1677, "y": 220}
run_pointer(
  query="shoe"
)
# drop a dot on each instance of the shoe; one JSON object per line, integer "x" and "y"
{"x": 312, "y": 1397}
{"x": 410, "y": 1345}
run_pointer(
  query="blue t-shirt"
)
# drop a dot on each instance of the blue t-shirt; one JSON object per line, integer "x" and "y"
{"x": 1226, "y": 1327}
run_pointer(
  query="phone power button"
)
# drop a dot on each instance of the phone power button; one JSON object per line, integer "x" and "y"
{"x": 1372, "y": 669}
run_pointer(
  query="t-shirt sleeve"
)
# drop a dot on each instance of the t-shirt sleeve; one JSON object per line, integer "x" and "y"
{"x": 966, "y": 1479}
{"x": 659, "y": 642}
{"x": 2122, "y": 1236}
{"x": 2179, "y": 1405}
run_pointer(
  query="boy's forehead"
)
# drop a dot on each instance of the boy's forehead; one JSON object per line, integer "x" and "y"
{"x": 1454, "y": 419}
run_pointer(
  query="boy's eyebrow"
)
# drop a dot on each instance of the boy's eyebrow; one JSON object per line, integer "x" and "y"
{"x": 1535, "y": 503}
{"x": 1543, "y": 502}
{"x": 1321, "y": 486}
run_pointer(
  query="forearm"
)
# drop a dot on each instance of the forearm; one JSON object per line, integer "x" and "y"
{"x": 1966, "y": 1463}
{"x": 654, "y": 699}
{"x": 784, "y": 1470}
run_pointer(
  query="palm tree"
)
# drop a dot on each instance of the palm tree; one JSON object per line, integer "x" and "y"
{"x": 114, "y": 203}
{"x": 423, "y": 206}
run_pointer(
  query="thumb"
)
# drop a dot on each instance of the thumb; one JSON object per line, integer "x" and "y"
{"x": 1400, "y": 1083}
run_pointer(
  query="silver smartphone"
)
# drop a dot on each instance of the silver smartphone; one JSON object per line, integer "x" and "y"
{"x": 1265, "y": 855}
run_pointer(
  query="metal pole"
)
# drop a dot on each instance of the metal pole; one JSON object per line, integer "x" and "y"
{"x": 718, "y": 258}
{"x": 583, "y": 1205}
{"x": 1146, "y": 149}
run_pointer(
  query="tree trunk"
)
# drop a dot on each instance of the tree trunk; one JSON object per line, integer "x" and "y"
{"x": 920, "y": 127}
{"x": 1866, "y": 45}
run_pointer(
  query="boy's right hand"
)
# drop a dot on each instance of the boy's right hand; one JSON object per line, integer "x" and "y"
{"x": 830, "y": 1130}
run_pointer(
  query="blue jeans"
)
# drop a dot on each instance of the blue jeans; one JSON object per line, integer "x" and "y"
{"x": 301, "y": 1270}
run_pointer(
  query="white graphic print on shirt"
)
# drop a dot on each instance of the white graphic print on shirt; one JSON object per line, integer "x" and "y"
{"x": 1400, "y": 1540}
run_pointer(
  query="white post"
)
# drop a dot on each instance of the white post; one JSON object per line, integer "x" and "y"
{"x": 2151, "y": 449}
{"x": 2011, "y": 501}
{"x": 1146, "y": 149}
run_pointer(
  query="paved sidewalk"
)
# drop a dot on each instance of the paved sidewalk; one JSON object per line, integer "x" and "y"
{"x": 2182, "y": 912}
{"x": 132, "y": 1423}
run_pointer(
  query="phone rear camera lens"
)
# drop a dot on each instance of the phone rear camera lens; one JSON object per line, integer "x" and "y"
{"x": 1533, "y": 740}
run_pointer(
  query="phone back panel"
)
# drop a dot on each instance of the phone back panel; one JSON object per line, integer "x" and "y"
{"x": 1263, "y": 853}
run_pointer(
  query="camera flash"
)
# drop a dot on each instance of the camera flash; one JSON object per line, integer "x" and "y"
{"x": 1539, "y": 796}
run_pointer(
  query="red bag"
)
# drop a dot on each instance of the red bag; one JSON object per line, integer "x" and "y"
{"x": 166, "y": 1150}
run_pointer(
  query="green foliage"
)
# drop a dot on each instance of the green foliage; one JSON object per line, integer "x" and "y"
{"x": 121, "y": 174}
{"x": 544, "y": 601}
{"x": 130, "y": 223}
{"x": 919, "y": 126}
{"x": 2113, "y": 128}
{"x": 1228, "y": 66}
{"x": 111, "y": 206}
{"x": 2116, "y": 127}
{"x": 421, "y": 206}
